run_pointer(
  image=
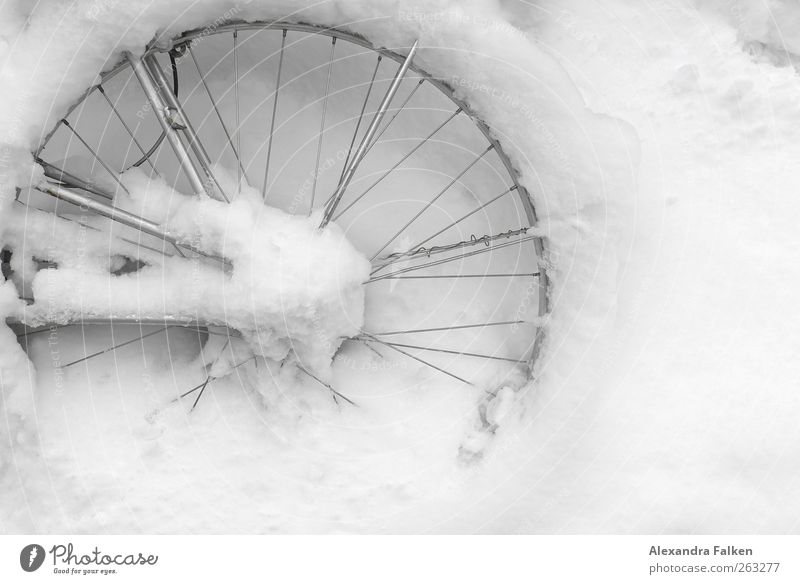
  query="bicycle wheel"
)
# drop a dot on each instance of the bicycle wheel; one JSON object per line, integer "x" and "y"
{"x": 356, "y": 153}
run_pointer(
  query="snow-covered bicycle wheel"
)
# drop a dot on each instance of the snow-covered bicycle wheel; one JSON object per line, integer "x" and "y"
{"x": 315, "y": 123}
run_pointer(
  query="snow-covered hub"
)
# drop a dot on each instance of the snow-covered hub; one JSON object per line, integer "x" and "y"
{"x": 285, "y": 285}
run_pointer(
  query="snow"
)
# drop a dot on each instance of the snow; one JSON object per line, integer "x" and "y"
{"x": 659, "y": 153}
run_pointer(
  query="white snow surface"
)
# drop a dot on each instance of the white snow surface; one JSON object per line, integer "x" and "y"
{"x": 665, "y": 397}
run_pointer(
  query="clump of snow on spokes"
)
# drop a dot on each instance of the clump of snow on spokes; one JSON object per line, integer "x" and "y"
{"x": 290, "y": 288}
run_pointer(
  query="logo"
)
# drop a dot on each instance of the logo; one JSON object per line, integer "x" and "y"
{"x": 31, "y": 557}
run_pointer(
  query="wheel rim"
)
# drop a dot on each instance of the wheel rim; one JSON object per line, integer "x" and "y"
{"x": 440, "y": 336}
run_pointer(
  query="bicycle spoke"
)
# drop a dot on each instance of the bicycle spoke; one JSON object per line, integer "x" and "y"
{"x": 452, "y": 259}
{"x": 322, "y": 125}
{"x": 195, "y": 388}
{"x": 431, "y": 365}
{"x": 274, "y": 112}
{"x": 208, "y": 331}
{"x": 449, "y": 328}
{"x": 202, "y": 386}
{"x": 444, "y": 248}
{"x": 43, "y": 329}
{"x": 373, "y": 127}
{"x": 199, "y": 395}
{"x": 179, "y": 120}
{"x": 360, "y": 117}
{"x": 397, "y": 164}
{"x": 59, "y": 174}
{"x": 451, "y": 352}
{"x": 174, "y": 323}
{"x": 125, "y": 125}
{"x": 431, "y": 202}
{"x": 326, "y": 385}
{"x": 238, "y": 117}
{"x": 216, "y": 110}
{"x": 95, "y": 155}
{"x": 456, "y": 276}
{"x": 397, "y": 113}
{"x": 115, "y": 347}
{"x": 463, "y": 217}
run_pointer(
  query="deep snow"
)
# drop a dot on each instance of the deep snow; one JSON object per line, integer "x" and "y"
{"x": 666, "y": 398}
